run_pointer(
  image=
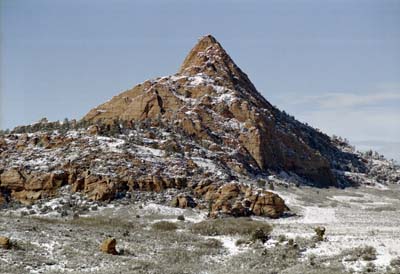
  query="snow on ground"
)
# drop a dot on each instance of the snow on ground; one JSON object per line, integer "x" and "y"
{"x": 148, "y": 152}
{"x": 153, "y": 208}
{"x": 317, "y": 215}
{"x": 360, "y": 217}
{"x": 207, "y": 164}
{"x": 200, "y": 79}
{"x": 191, "y": 215}
{"x": 110, "y": 144}
{"x": 229, "y": 243}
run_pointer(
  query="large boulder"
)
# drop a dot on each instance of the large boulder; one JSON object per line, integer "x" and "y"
{"x": 5, "y": 242}
{"x": 239, "y": 200}
{"x": 109, "y": 246}
{"x": 265, "y": 203}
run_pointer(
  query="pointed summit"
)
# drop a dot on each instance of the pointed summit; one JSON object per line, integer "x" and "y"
{"x": 198, "y": 56}
{"x": 210, "y": 58}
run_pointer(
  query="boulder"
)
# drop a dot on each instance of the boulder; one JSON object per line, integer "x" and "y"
{"x": 5, "y": 242}
{"x": 239, "y": 200}
{"x": 108, "y": 246}
{"x": 267, "y": 204}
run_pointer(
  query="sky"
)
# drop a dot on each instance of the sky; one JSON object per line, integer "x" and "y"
{"x": 334, "y": 64}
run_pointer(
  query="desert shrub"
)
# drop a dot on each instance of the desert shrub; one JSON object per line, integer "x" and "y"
{"x": 230, "y": 226}
{"x": 260, "y": 235}
{"x": 262, "y": 261}
{"x": 261, "y": 183}
{"x": 395, "y": 262}
{"x": 369, "y": 267}
{"x": 21, "y": 245}
{"x": 241, "y": 241}
{"x": 394, "y": 266}
{"x": 311, "y": 259}
{"x": 302, "y": 243}
{"x": 382, "y": 208}
{"x": 319, "y": 233}
{"x": 211, "y": 243}
{"x": 366, "y": 253}
{"x": 281, "y": 238}
{"x": 164, "y": 226}
{"x": 155, "y": 145}
{"x": 181, "y": 218}
{"x": 99, "y": 221}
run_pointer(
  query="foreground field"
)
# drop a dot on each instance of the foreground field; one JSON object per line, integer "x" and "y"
{"x": 362, "y": 229}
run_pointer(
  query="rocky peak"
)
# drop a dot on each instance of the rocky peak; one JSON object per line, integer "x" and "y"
{"x": 197, "y": 56}
{"x": 209, "y": 58}
{"x": 211, "y": 101}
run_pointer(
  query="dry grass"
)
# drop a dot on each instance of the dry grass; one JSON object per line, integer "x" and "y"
{"x": 230, "y": 226}
{"x": 164, "y": 226}
{"x": 366, "y": 253}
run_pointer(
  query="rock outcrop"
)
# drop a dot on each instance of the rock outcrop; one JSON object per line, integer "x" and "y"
{"x": 27, "y": 188}
{"x": 240, "y": 200}
{"x": 183, "y": 201}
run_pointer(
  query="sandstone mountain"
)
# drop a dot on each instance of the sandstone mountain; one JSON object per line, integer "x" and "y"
{"x": 212, "y": 100}
{"x": 204, "y": 138}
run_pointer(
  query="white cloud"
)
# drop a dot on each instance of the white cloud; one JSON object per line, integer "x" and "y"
{"x": 357, "y": 117}
{"x": 357, "y": 125}
{"x": 346, "y": 100}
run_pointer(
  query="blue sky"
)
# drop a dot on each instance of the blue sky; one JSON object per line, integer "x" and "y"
{"x": 334, "y": 64}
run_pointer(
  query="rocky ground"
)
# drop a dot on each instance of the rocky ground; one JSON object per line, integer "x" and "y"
{"x": 63, "y": 194}
{"x": 362, "y": 228}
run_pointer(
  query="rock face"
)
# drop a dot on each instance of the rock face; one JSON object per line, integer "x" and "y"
{"x": 211, "y": 99}
{"x": 183, "y": 201}
{"x": 27, "y": 188}
{"x": 12, "y": 179}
